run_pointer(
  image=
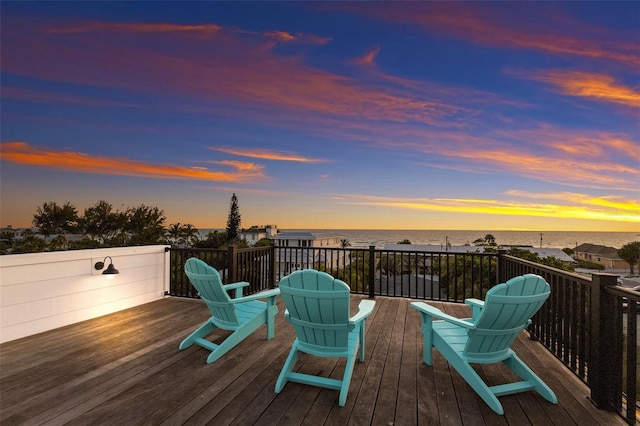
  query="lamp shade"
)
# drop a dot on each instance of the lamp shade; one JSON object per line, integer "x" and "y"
{"x": 111, "y": 270}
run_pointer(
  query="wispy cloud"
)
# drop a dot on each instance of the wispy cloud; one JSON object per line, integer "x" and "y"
{"x": 264, "y": 154}
{"x": 134, "y": 27}
{"x": 199, "y": 30}
{"x": 571, "y": 157}
{"x": 287, "y": 37}
{"x": 622, "y": 211}
{"x": 569, "y": 171}
{"x": 57, "y": 97}
{"x": 398, "y": 114}
{"x": 25, "y": 154}
{"x": 241, "y": 73}
{"x": 509, "y": 29}
{"x": 368, "y": 58}
{"x": 612, "y": 203}
{"x": 592, "y": 146}
{"x": 597, "y": 87}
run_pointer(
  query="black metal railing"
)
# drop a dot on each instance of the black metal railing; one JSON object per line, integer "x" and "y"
{"x": 588, "y": 323}
{"x": 442, "y": 276}
{"x": 253, "y": 265}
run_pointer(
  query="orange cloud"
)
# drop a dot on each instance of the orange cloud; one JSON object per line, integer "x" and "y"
{"x": 590, "y": 145}
{"x": 25, "y": 154}
{"x": 616, "y": 203}
{"x": 622, "y": 212}
{"x": 548, "y": 168}
{"x": 267, "y": 155}
{"x": 598, "y": 87}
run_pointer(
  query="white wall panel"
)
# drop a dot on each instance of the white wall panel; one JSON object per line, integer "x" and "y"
{"x": 43, "y": 291}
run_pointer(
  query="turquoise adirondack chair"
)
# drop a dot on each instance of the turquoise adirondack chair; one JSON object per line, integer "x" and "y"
{"x": 242, "y": 315}
{"x": 486, "y": 338}
{"x": 318, "y": 309}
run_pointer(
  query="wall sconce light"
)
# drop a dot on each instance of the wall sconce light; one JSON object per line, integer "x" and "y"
{"x": 111, "y": 270}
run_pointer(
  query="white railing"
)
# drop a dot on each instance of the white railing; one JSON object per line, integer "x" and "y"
{"x": 43, "y": 291}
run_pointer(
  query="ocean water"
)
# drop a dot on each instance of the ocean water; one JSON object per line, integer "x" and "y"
{"x": 552, "y": 239}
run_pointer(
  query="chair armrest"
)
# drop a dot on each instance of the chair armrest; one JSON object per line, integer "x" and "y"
{"x": 267, "y": 294}
{"x": 365, "y": 308}
{"x": 474, "y": 302}
{"x": 431, "y": 312}
{"x": 237, "y": 287}
{"x": 476, "y": 306}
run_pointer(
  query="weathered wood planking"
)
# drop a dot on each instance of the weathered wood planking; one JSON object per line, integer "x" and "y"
{"x": 126, "y": 368}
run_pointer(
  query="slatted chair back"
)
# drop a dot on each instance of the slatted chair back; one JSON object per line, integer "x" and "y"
{"x": 208, "y": 283}
{"x": 318, "y": 308}
{"x": 507, "y": 311}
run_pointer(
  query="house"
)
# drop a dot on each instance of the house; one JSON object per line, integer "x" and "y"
{"x": 552, "y": 252}
{"x": 290, "y": 258}
{"x": 603, "y": 255}
{"x": 306, "y": 239}
{"x": 256, "y": 233}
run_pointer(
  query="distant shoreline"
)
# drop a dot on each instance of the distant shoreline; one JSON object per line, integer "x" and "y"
{"x": 550, "y": 239}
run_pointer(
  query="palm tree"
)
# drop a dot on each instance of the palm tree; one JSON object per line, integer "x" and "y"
{"x": 174, "y": 232}
{"x": 630, "y": 253}
{"x": 190, "y": 234}
{"x": 490, "y": 239}
{"x": 344, "y": 243}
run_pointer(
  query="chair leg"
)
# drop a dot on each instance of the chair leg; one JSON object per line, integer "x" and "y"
{"x": 199, "y": 333}
{"x": 526, "y": 374}
{"x": 477, "y": 384}
{"x": 362, "y": 340}
{"x": 427, "y": 332}
{"x": 346, "y": 379}
{"x": 236, "y": 337}
{"x": 287, "y": 368}
{"x": 270, "y": 313}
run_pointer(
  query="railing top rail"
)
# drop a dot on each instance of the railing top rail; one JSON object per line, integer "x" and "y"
{"x": 191, "y": 249}
{"x": 253, "y": 249}
{"x": 585, "y": 279}
{"x": 324, "y": 248}
{"x": 624, "y": 292}
{"x": 446, "y": 253}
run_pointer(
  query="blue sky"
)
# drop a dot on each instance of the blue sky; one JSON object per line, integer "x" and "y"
{"x": 380, "y": 115}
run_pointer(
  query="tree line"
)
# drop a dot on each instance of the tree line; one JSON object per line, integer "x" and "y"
{"x": 103, "y": 226}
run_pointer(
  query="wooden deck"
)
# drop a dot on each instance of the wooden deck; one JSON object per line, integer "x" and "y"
{"x": 125, "y": 368}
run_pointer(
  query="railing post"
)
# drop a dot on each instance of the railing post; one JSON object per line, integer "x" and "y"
{"x": 372, "y": 271}
{"x": 500, "y": 267}
{"x": 604, "y": 374}
{"x": 232, "y": 263}
{"x": 272, "y": 265}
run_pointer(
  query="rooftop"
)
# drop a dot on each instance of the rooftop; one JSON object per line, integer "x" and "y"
{"x": 595, "y": 249}
{"x": 126, "y": 368}
{"x": 304, "y": 235}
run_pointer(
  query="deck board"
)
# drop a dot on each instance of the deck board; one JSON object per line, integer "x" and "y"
{"x": 126, "y": 368}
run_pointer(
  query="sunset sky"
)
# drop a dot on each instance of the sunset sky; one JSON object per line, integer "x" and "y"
{"x": 349, "y": 115}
